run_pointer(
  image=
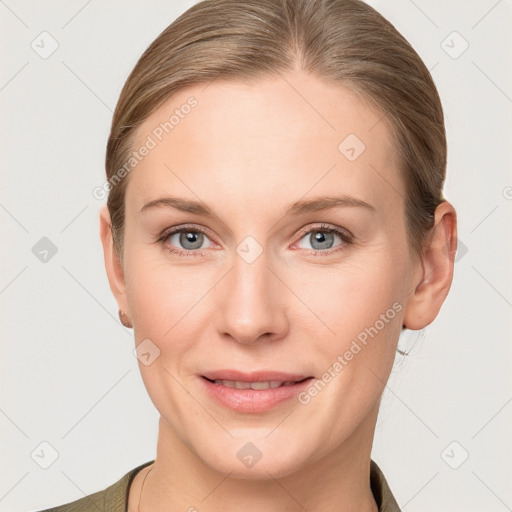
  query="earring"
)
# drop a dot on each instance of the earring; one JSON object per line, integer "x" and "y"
{"x": 123, "y": 317}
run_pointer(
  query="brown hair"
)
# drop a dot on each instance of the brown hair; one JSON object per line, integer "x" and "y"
{"x": 345, "y": 41}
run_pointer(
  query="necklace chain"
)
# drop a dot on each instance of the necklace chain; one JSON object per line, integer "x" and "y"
{"x": 142, "y": 488}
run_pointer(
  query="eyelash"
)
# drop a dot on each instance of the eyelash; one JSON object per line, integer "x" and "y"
{"x": 346, "y": 237}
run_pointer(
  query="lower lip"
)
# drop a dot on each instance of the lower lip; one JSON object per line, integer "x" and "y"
{"x": 253, "y": 400}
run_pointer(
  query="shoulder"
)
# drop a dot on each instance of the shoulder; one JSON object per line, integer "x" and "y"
{"x": 112, "y": 499}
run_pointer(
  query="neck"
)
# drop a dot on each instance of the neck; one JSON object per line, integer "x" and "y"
{"x": 337, "y": 482}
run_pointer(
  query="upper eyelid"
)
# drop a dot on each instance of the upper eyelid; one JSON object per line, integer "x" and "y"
{"x": 178, "y": 229}
{"x": 325, "y": 227}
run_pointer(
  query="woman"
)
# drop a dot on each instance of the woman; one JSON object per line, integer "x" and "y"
{"x": 275, "y": 218}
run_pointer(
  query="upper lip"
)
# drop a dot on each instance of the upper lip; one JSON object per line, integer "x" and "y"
{"x": 256, "y": 376}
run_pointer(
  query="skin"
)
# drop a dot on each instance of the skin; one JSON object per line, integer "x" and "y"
{"x": 248, "y": 152}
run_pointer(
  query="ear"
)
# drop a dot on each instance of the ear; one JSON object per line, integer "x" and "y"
{"x": 435, "y": 272}
{"x": 113, "y": 265}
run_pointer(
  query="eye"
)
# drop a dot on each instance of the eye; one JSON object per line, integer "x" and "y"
{"x": 190, "y": 240}
{"x": 193, "y": 241}
{"x": 323, "y": 238}
{"x": 185, "y": 241}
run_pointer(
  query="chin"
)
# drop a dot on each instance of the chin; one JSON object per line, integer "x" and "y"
{"x": 253, "y": 458}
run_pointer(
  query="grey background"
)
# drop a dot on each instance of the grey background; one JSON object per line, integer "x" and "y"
{"x": 68, "y": 374}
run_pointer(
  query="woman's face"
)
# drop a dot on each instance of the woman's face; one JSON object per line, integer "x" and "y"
{"x": 302, "y": 266}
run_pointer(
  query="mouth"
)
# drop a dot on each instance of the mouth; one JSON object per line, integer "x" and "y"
{"x": 257, "y": 392}
{"x": 261, "y": 379}
{"x": 257, "y": 385}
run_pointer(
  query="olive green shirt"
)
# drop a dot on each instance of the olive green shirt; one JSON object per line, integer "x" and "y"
{"x": 115, "y": 497}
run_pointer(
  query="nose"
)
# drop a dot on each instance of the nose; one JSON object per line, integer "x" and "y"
{"x": 252, "y": 304}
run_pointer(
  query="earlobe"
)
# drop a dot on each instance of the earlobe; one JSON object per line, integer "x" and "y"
{"x": 113, "y": 265}
{"x": 430, "y": 291}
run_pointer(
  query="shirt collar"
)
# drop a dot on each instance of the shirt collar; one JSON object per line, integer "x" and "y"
{"x": 116, "y": 496}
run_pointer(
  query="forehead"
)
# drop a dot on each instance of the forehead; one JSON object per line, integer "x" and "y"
{"x": 293, "y": 134}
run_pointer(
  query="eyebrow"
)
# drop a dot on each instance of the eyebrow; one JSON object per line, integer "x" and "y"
{"x": 298, "y": 207}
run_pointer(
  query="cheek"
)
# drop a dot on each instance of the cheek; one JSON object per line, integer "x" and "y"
{"x": 351, "y": 295}
{"x": 154, "y": 287}
{"x": 165, "y": 305}
{"x": 167, "y": 299}
{"x": 358, "y": 308}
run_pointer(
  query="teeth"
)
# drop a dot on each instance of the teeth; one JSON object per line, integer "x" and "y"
{"x": 254, "y": 385}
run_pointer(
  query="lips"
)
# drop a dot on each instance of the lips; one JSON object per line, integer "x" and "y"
{"x": 266, "y": 384}
{"x": 256, "y": 376}
{"x": 255, "y": 392}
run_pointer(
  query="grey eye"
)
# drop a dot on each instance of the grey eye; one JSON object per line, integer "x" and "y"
{"x": 190, "y": 240}
{"x": 320, "y": 239}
